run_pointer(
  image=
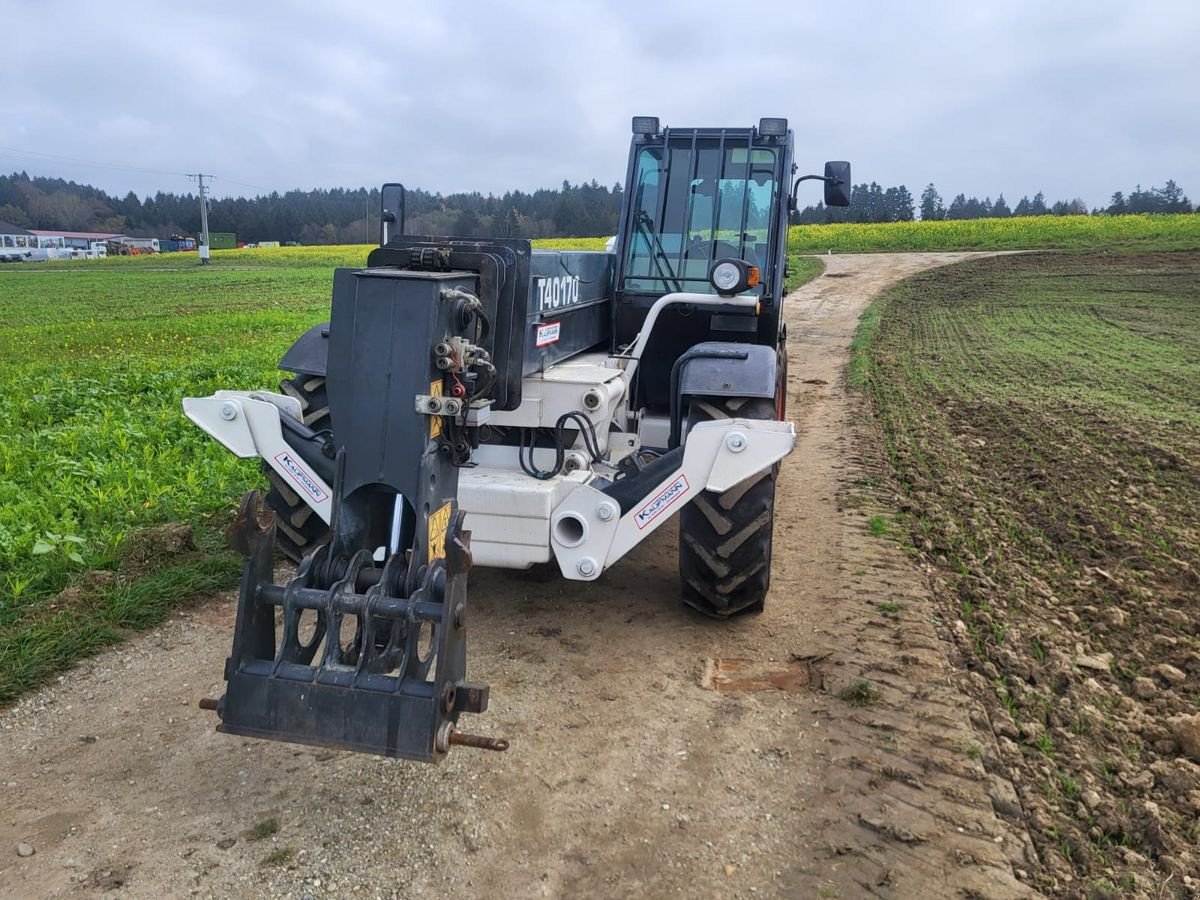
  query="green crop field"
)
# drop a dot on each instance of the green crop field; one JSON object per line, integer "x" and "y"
{"x": 94, "y": 360}
{"x": 1042, "y": 415}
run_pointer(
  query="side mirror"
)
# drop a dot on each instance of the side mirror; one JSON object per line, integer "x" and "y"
{"x": 391, "y": 212}
{"x": 837, "y": 183}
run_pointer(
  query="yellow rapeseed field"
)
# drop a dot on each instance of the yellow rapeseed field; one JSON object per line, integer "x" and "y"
{"x": 1176, "y": 232}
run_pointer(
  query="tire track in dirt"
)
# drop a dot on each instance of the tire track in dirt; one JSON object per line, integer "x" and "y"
{"x": 637, "y": 767}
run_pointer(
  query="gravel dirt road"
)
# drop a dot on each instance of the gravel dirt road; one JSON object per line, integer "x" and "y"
{"x": 823, "y": 749}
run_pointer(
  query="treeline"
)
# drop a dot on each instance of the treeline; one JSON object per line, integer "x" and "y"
{"x": 335, "y": 216}
{"x": 341, "y": 216}
{"x": 871, "y": 203}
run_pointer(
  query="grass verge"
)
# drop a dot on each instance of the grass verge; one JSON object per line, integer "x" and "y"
{"x": 801, "y": 270}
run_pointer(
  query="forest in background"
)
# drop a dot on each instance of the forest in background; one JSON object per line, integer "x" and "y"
{"x": 351, "y": 216}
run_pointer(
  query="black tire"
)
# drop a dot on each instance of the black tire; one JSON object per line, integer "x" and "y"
{"x": 300, "y": 530}
{"x": 725, "y": 539}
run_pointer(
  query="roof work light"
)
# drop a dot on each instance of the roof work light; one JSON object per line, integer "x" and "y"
{"x": 645, "y": 124}
{"x": 772, "y": 127}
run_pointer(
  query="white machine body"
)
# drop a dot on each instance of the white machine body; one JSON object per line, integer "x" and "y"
{"x": 516, "y": 520}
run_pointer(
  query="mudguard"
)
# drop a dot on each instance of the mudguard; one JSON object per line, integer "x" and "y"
{"x": 753, "y": 376}
{"x": 310, "y": 354}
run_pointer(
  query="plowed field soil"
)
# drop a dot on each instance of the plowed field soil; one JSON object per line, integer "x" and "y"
{"x": 1043, "y": 412}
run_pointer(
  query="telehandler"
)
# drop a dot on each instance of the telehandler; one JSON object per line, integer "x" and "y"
{"x": 474, "y": 401}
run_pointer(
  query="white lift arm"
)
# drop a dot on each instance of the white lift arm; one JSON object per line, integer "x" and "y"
{"x": 589, "y": 531}
{"x": 247, "y": 424}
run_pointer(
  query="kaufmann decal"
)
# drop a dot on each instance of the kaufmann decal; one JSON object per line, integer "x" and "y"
{"x": 547, "y": 333}
{"x": 300, "y": 476}
{"x": 661, "y": 503}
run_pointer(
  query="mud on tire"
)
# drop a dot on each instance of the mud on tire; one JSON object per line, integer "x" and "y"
{"x": 300, "y": 529}
{"x": 725, "y": 539}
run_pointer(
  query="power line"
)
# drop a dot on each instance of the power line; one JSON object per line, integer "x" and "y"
{"x": 35, "y": 156}
{"x": 38, "y": 156}
{"x": 256, "y": 187}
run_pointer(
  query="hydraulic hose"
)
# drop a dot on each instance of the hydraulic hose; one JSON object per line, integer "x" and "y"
{"x": 590, "y": 441}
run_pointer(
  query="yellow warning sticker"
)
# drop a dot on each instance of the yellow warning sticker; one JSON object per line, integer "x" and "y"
{"x": 439, "y": 521}
{"x": 435, "y": 422}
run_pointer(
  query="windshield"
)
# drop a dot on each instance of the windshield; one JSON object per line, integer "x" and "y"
{"x": 695, "y": 204}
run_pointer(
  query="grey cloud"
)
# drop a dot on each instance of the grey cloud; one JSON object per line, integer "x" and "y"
{"x": 1073, "y": 98}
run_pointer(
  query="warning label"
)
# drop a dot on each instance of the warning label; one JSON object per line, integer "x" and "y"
{"x": 435, "y": 422}
{"x": 439, "y": 521}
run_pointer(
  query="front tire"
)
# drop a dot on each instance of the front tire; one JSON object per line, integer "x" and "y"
{"x": 300, "y": 530}
{"x": 725, "y": 539}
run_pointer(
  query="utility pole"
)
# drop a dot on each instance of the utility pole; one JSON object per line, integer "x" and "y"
{"x": 200, "y": 176}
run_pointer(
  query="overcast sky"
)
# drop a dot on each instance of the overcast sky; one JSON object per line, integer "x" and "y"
{"x": 1072, "y": 98}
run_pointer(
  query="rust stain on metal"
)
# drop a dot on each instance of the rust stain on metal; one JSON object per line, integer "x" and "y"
{"x": 732, "y": 674}
{"x": 252, "y": 520}
{"x": 478, "y": 741}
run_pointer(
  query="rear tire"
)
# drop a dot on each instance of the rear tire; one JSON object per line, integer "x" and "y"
{"x": 725, "y": 539}
{"x": 300, "y": 530}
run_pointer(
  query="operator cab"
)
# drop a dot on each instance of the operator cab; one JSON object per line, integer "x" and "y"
{"x": 694, "y": 197}
{"x": 700, "y": 207}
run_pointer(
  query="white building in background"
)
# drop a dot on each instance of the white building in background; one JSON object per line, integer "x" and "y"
{"x": 16, "y": 242}
{"x": 75, "y": 244}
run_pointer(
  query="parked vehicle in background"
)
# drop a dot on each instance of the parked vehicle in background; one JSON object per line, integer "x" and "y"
{"x": 176, "y": 243}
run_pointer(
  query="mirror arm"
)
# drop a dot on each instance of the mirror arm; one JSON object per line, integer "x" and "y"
{"x": 796, "y": 186}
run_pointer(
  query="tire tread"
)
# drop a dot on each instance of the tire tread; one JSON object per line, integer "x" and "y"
{"x": 299, "y": 530}
{"x": 725, "y": 539}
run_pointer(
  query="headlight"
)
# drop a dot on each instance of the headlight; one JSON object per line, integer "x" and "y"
{"x": 732, "y": 276}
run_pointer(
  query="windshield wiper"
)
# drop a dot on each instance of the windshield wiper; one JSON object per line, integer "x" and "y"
{"x": 661, "y": 260}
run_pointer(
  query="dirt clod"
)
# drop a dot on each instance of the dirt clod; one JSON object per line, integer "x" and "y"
{"x": 145, "y": 549}
{"x": 1170, "y": 674}
{"x": 1099, "y": 662}
{"x": 24, "y": 849}
{"x": 1186, "y": 730}
{"x": 1144, "y": 688}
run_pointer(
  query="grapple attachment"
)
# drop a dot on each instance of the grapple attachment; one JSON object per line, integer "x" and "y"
{"x": 345, "y": 656}
{"x": 365, "y": 648}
